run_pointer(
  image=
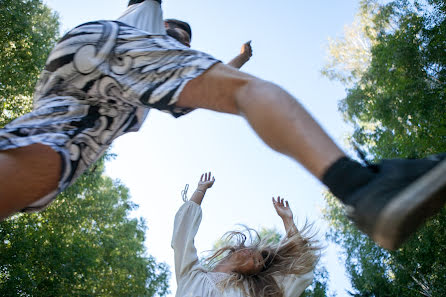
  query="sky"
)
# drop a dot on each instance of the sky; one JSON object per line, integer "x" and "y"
{"x": 289, "y": 40}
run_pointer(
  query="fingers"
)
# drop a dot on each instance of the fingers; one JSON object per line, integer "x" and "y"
{"x": 206, "y": 177}
{"x": 247, "y": 48}
{"x": 281, "y": 202}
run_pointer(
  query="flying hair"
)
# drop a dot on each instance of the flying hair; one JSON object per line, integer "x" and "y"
{"x": 295, "y": 254}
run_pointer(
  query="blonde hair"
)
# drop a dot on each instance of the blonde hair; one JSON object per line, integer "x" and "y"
{"x": 297, "y": 254}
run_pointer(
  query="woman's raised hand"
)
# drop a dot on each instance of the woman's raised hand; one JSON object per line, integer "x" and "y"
{"x": 283, "y": 208}
{"x": 206, "y": 181}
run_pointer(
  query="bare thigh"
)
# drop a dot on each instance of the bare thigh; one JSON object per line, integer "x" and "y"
{"x": 274, "y": 114}
{"x": 216, "y": 89}
{"x": 26, "y": 175}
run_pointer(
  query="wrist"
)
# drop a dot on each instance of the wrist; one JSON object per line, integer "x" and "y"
{"x": 288, "y": 220}
{"x": 244, "y": 57}
{"x": 201, "y": 189}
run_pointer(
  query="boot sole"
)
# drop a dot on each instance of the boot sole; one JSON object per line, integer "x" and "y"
{"x": 410, "y": 208}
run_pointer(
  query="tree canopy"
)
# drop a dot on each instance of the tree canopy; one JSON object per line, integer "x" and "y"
{"x": 84, "y": 244}
{"x": 396, "y": 103}
{"x": 28, "y": 31}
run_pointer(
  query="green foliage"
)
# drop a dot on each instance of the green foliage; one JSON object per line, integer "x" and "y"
{"x": 349, "y": 55}
{"x": 84, "y": 244}
{"x": 397, "y": 106}
{"x": 319, "y": 287}
{"x": 28, "y": 31}
{"x": 417, "y": 269}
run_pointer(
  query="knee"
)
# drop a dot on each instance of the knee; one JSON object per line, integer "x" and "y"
{"x": 253, "y": 90}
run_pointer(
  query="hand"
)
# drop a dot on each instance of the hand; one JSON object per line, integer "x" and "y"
{"x": 246, "y": 50}
{"x": 283, "y": 208}
{"x": 205, "y": 181}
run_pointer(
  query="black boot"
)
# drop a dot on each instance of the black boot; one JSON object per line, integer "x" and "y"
{"x": 400, "y": 197}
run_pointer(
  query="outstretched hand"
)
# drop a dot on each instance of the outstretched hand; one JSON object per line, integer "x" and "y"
{"x": 283, "y": 208}
{"x": 246, "y": 50}
{"x": 205, "y": 181}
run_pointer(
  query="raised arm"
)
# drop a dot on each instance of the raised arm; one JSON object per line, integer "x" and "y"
{"x": 284, "y": 211}
{"x": 243, "y": 57}
{"x": 205, "y": 183}
{"x": 293, "y": 285}
{"x": 187, "y": 222}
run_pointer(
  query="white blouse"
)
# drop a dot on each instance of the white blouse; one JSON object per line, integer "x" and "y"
{"x": 193, "y": 280}
{"x": 146, "y": 16}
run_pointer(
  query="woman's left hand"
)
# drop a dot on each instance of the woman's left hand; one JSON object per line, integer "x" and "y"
{"x": 283, "y": 208}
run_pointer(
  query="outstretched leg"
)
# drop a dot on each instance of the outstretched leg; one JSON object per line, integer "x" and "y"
{"x": 274, "y": 114}
{"x": 26, "y": 175}
{"x": 388, "y": 201}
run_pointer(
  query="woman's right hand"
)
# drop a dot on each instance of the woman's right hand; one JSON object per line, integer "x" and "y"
{"x": 206, "y": 181}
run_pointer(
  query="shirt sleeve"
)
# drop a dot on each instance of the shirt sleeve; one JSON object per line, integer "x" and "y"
{"x": 187, "y": 222}
{"x": 295, "y": 285}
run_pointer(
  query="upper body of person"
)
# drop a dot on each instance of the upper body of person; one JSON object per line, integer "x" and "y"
{"x": 243, "y": 267}
{"x": 147, "y": 15}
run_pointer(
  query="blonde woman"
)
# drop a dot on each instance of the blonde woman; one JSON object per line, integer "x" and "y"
{"x": 243, "y": 268}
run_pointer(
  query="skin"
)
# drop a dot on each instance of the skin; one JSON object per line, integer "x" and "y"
{"x": 246, "y": 261}
{"x": 26, "y": 173}
{"x": 277, "y": 117}
{"x": 236, "y": 62}
{"x": 243, "y": 57}
{"x": 249, "y": 261}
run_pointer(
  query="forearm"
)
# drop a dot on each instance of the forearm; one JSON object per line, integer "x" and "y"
{"x": 290, "y": 226}
{"x": 238, "y": 61}
{"x": 198, "y": 195}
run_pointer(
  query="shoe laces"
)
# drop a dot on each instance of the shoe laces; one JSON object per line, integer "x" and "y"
{"x": 361, "y": 154}
{"x": 363, "y": 158}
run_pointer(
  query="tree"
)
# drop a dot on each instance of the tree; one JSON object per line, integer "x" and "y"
{"x": 350, "y": 55}
{"x": 84, "y": 244}
{"x": 28, "y": 31}
{"x": 396, "y": 103}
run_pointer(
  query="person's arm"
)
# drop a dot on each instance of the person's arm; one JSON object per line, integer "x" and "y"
{"x": 187, "y": 222}
{"x": 243, "y": 57}
{"x": 293, "y": 285}
{"x": 284, "y": 211}
{"x": 205, "y": 183}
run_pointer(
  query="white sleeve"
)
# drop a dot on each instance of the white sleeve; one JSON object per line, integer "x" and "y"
{"x": 187, "y": 221}
{"x": 146, "y": 16}
{"x": 295, "y": 285}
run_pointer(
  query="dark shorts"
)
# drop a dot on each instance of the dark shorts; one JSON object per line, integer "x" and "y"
{"x": 99, "y": 82}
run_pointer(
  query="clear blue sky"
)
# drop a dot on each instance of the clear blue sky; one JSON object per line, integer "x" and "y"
{"x": 289, "y": 40}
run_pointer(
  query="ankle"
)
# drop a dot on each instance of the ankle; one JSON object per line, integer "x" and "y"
{"x": 345, "y": 176}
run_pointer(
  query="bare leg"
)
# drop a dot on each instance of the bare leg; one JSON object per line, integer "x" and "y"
{"x": 26, "y": 175}
{"x": 273, "y": 113}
